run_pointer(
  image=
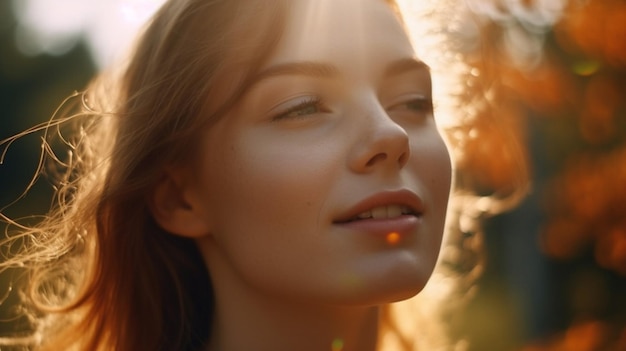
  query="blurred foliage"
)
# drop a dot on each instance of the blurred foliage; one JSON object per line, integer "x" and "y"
{"x": 30, "y": 90}
{"x": 571, "y": 95}
{"x": 591, "y": 187}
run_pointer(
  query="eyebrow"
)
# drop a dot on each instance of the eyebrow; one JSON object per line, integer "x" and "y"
{"x": 325, "y": 70}
{"x": 405, "y": 65}
{"x": 305, "y": 68}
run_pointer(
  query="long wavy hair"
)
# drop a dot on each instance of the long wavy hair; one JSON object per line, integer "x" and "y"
{"x": 103, "y": 275}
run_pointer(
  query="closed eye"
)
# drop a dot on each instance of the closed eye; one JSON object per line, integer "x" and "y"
{"x": 310, "y": 106}
{"x": 420, "y": 104}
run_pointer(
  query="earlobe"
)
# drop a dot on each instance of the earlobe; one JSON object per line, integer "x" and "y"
{"x": 173, "y": 208}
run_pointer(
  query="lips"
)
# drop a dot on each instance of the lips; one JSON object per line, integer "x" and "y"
{"x": 384, "y": 206}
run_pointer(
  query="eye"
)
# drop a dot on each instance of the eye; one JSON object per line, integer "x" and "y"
{"x": 419, "y": 104}
{"x": 304, "y": 108}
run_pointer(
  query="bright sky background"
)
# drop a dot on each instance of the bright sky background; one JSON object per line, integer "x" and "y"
{"x": 55, "y": 26}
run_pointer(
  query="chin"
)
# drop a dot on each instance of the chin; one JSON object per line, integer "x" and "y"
{"x": 401, "y": 293}
{"x": 375, "y": 292}
{"x": 394, "y": 278}
{"x": 379, "y": 298}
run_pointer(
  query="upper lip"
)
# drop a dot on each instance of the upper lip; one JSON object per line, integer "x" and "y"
{"x": 403, "y": 197}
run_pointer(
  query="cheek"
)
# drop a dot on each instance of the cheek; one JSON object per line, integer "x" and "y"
{"x": 430, "y": 159}
{"x": 264, "y": 198}
{"x": 279, "y": 234}
{"x": 262, "y": 181}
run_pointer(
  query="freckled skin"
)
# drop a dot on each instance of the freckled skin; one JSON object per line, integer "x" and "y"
{"x": 270, "y": 189}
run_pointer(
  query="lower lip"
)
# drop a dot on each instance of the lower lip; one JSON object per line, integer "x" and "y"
{"x": 402, "y": 225}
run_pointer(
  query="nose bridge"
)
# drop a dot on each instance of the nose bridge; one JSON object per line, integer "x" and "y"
{"x": 381, "y": 142}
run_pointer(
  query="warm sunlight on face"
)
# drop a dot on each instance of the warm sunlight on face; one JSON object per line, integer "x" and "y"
{"x": 333, "y": 147}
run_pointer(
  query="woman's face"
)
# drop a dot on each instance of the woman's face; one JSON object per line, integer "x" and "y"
{"x": 329, "y": 180}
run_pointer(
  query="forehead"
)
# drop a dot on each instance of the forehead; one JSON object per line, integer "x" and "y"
{"x": 353, "y": 31}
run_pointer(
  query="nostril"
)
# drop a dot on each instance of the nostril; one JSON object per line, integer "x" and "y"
{"x": 377, "y": 158}
{"x": 403, "y": 159}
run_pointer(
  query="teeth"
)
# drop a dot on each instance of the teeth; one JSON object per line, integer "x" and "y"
{"x": 365, "y": 215}
{"x": 383, "y": 212}
{"x": 379, "y": 212}
{"x": 394, "y": 211}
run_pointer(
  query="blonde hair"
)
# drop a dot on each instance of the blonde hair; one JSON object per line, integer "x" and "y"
{"x": 103, "y": 274}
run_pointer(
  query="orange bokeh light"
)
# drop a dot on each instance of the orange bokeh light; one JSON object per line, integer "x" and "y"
{"x": 393, "y": 238}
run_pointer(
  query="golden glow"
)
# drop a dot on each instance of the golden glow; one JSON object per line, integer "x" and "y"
{"x": 393, "y": 238}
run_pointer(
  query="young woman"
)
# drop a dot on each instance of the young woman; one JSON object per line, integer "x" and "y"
{"x": 264, "y": 175}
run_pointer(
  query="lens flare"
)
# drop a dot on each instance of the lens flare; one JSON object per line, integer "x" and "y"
{"x": 393, "y": 238}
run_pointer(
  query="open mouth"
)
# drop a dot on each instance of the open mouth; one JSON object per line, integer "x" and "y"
{"x": 383, "y": 212}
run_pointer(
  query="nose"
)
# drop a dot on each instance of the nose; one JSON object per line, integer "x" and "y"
{"x": 382, "y": 143}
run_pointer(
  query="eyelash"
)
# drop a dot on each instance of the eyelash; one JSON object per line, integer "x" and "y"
{"x": 301, "y": 106}
{"x": 424, "y": 104}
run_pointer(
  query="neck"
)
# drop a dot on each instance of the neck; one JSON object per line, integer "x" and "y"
{"x": 246, "y": 319}
{"x": 265, "y": 326}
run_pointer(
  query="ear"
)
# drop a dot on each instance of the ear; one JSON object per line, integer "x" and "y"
{"x": 173, "y": 207}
